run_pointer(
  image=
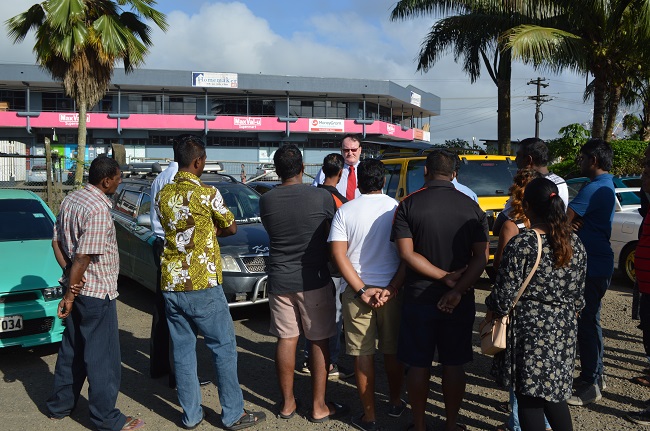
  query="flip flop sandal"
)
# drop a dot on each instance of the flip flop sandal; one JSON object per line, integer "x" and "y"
{"x": 641, "y": 380}
{"x": 132, "y": 424}
{"x": 339, "y": 411}
{"x": 247, "y": 420}
{"x": 281, "y": 415}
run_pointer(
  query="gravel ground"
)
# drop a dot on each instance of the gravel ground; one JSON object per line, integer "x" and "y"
{"x": 27, "y": 377}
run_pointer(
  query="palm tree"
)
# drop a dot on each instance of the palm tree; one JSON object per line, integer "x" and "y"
{"x": 80, "y": 42}
{"x": 601, "y": 37}
{"x": 472, "y": 32}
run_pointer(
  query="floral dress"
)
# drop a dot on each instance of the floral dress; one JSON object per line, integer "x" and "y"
{"x": 541, "y": 347}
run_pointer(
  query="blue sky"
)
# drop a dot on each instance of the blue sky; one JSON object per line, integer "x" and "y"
{"x": 349, "y": 39}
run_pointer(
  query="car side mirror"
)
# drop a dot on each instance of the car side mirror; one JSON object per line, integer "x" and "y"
{"x": 144, "y": 220}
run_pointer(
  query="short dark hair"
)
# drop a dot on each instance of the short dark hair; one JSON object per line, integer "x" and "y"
{"x": 187, "y": 148}
{"x": 353, "y": 136}
{"x": 441, "y": 162}
{"x": 288, "y": 161}
{"x": 601, "y": 150}
{"x": 536, "y": 149}
{"x": 333, "y": 164}
{"x": 371, "y": 173}
{"x": 102, "y": 167}
{"x": 457, "y": 163}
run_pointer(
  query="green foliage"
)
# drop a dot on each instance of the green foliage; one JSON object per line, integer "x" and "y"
{"x": 564, "y": 150}
{"x": 461, "y": 144}
{"x": 628, "y": 156}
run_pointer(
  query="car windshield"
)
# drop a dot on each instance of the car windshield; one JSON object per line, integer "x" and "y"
{"x": 484, "y": 177}
{"x": 241, "y": 200}
{"x": 24, "y": 219}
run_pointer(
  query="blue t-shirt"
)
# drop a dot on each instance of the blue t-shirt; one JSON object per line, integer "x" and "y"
{"x": 596, "y": 203}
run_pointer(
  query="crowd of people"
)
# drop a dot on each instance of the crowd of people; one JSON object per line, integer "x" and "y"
{"x": 394, "y": 278}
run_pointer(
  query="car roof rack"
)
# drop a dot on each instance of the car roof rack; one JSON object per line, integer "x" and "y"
{"x": 407, "y": 152}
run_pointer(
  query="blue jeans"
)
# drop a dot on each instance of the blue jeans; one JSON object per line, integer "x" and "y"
{"x": 335, "y": 341}
{"x": 205, "y": 311}
{"x": 590, "y": 334}
{"x": 513, "y": 419}
{"x": 90, "y": 349}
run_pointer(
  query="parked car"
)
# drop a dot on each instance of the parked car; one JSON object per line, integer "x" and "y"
{"x": 29, "y": 288}
{"x": 262, "y": 187}
{"x": 266, "y": 172}
{"x": 575, "y": 184}
{"x": 37, "y": 175}
{"x": 243, "y": 256}
{"x": 625, "y": 231}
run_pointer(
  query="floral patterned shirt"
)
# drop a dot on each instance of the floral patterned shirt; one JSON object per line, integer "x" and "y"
{"x": 189, "y": 212}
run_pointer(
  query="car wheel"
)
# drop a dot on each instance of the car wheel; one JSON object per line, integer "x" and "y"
{"x": 626, "y": 262}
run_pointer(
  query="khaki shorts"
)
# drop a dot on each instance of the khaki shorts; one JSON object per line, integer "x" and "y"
{"x": 312, "y": 313}
{"x": 363, "y": 325}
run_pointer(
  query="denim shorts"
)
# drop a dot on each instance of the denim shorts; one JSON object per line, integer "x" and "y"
{"x": 423, "y": 332}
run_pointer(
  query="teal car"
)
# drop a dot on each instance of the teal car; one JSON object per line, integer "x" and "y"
{"x": 29, "y": 286}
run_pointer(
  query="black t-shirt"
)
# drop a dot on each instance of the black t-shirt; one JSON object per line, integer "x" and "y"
{"x": 297, "y": 218}
{"x": 443, "y": 223}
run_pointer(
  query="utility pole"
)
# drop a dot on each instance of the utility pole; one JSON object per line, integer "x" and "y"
{"x": 539, "y": 99}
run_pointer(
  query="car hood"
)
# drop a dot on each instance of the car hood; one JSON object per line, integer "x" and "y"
{"x": 28, "y": 265}
{"x": 249, "y": 239}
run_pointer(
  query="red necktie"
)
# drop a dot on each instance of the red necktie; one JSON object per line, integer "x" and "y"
{"x": 352, "y": 185}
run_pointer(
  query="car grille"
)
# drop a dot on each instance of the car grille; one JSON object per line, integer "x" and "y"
{"x": 255, "y": 263}
{"x": 18, "y": 297}
{"x": 31, "y": 327}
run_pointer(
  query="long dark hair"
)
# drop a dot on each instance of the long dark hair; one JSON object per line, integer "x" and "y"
{"x": 542, "y": 197}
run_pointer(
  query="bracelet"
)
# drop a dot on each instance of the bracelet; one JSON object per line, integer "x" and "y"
{"x": 360, "y": 292}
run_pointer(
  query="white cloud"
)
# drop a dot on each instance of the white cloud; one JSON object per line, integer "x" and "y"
{"x": 360, "y": 42}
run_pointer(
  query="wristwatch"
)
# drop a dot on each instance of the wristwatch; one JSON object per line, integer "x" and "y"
{"x": 360, "y": 292}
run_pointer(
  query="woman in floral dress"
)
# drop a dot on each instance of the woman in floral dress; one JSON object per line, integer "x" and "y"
{"x": 539, "y": 359}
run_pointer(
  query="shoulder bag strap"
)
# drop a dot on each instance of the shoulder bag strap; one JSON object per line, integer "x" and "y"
{"x": 532, "y": 271}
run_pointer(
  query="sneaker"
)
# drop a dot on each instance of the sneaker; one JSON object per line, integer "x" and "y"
{"x": 338, "y": 372}
{"x": 396, "y": 411}
{"x": 585, "y": 394}
{"x": 641, "y": 418}
{"x": 305, "y": 368}
{"x": 358, "y": 423}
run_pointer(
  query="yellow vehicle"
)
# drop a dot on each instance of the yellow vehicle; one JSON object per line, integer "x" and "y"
{"x": 489, "y": 176}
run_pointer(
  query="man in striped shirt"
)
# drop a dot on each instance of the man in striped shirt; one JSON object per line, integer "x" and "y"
{"x": 85, "y": 246}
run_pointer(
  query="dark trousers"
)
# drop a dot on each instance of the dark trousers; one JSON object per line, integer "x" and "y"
{"x": 590, "y": 333}
{"x": 533, "y": 409}
{"x": 644, "y": 314}
{"x": 159, "y": 351}
{"x": 90, "y": 349}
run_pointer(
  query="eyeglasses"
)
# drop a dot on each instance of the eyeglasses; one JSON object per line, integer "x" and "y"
{"x": 350, "y": 150}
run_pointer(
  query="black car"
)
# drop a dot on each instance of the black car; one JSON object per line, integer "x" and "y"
{"x": 262, "y": 187}
{"x": 243, "y": 256}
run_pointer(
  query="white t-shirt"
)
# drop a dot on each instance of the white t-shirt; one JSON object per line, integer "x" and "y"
{"x": 562, "y": 188}
{"x": 365, "y": 223}
{"x": 163, "y": 178}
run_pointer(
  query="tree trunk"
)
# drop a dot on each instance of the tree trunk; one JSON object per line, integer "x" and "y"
{"x": 81, "y": 146}
{"x": 644, "y": 133}
{"x": 600, "y": 90}
{"x": 503, "y": 103}
{"x": 612, "y": 111}
{"x": 48, "y": 172}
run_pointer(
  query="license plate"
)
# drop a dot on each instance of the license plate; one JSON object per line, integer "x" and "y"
{"x": 11, "y": 323}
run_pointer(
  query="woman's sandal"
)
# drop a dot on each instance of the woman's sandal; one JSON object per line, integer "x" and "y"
{"x": 132, "y": 424}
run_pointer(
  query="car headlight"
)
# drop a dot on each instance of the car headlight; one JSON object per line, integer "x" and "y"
{"x": 53, "y": 293}
{"x": 229, "y": 264}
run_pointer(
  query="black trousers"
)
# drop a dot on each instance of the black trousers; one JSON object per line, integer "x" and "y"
{"x": 533, "y": 409}
{"x": 159, "y": 351}
{"x": 644, "y": 314}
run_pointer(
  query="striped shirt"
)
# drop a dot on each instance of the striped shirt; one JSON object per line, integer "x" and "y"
{"x": 84, "y": 226}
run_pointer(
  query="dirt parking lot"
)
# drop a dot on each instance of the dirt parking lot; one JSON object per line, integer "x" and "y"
{"x": 27, "y": 377}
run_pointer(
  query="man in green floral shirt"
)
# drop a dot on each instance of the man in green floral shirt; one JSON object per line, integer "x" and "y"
{"x": 193, "y": 215}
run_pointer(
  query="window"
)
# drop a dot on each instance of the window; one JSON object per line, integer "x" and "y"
{"x": 145, "y": 205}
{"x": 12, "y": 100}
{"x": 128, "y": 202}
{"x": 57, "y": 102}
{"x": 24, "y": 219}
{"x": 392, "y": 179}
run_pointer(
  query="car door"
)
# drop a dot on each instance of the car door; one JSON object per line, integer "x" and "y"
{"x": 125, "y": 221}
{"x": 142, "y": 239}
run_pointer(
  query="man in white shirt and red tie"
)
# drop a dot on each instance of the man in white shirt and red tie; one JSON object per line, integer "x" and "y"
{"x": 351, "y": 150}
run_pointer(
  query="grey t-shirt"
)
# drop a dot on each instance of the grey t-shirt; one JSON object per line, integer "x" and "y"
{"x": 297, "y": 218}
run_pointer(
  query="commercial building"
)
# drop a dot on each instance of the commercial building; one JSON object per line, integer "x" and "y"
{"x": 241, "y": 116}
